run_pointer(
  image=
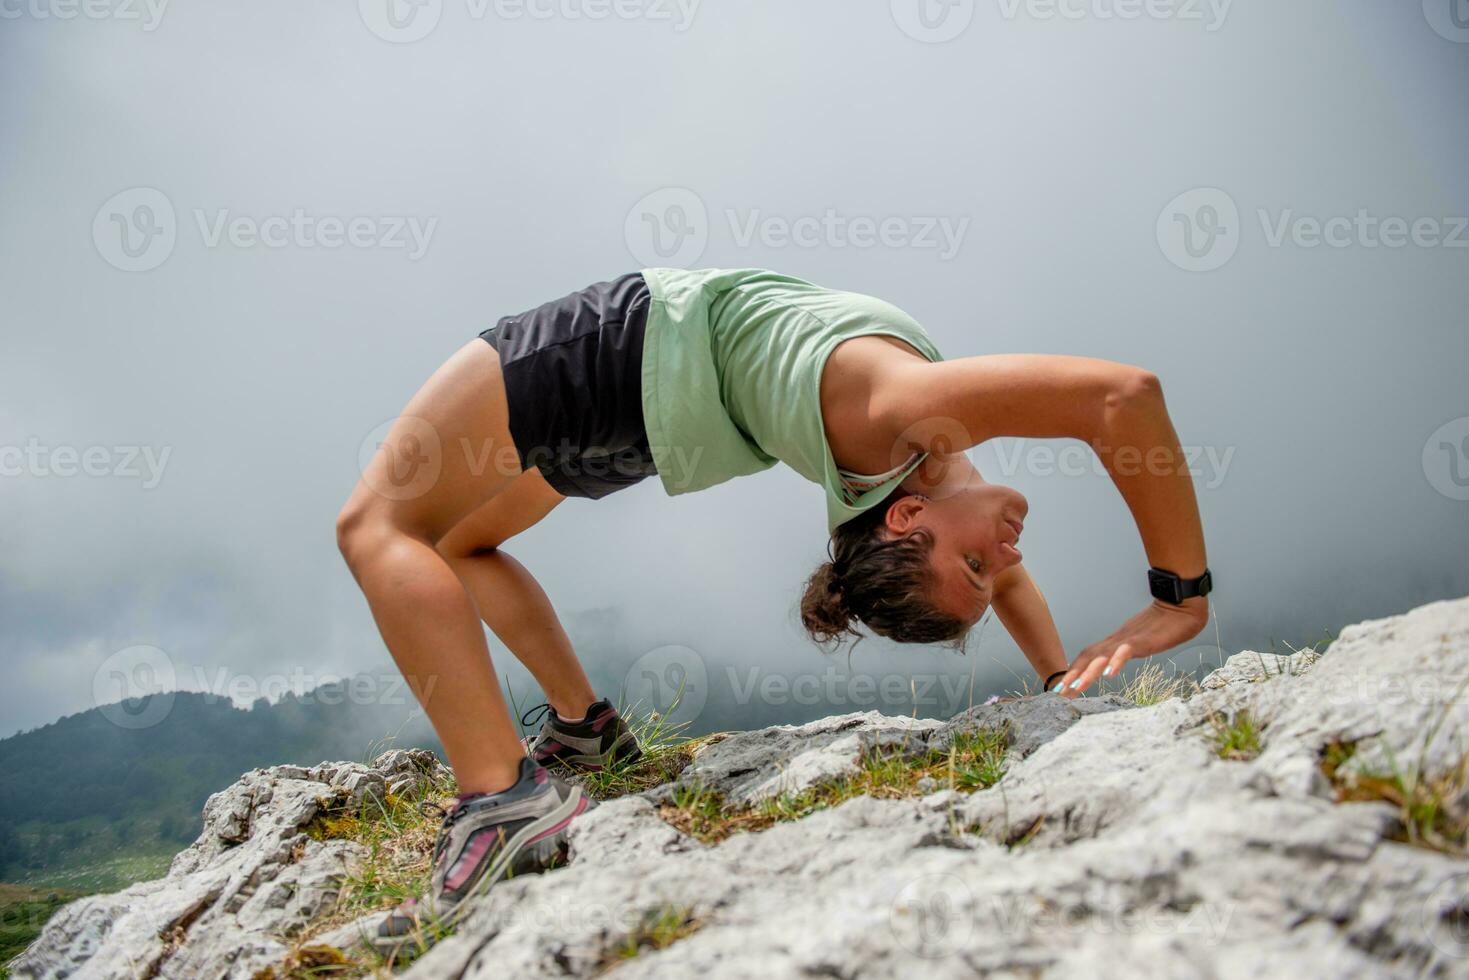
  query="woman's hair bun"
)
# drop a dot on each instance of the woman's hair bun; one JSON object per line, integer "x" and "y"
{"x": 824, "y": 611}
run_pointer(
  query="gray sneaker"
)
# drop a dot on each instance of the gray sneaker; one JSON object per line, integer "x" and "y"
{"x": 599, "y": 740}
{"x": 485, "y": 838}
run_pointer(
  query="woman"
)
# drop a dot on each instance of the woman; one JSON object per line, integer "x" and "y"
{"x": 700, "y": 377}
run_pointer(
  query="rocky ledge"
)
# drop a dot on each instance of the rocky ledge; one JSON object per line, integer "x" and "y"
{"x": 1300, "y": 815}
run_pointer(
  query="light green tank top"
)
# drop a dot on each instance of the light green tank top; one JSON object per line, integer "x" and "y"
{"x": 732, "y": 363}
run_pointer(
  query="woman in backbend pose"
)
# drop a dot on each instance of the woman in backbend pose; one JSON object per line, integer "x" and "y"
{"x": 700, "y": 377}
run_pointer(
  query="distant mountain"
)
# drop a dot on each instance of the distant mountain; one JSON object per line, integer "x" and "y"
{"x": 91, "y": 802}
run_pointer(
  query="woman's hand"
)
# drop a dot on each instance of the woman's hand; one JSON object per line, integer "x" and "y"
{"x": 1161, "y": 626}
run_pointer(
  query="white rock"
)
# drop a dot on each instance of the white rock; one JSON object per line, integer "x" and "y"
{"x": 1118, "y": 844}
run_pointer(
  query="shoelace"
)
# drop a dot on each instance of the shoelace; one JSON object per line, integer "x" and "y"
{"x": 535, "y": 715}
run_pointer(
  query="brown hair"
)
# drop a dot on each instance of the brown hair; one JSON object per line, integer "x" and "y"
{"x": 882, "y": 581}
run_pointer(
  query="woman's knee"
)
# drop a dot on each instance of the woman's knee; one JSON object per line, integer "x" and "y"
{"x": 363, "y": 529}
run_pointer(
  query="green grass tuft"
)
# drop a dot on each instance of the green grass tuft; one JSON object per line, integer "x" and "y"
{"x": 1431, "y": 810}
{"x": 1236, "y": 736}
{"x": 974, "y": 761}
{"x": 656, "y": 930}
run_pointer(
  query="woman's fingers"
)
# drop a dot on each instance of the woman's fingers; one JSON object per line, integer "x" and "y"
{"x": 1090, "y": 674}
{"x": 1123, "y": 654}
{"x": 1067, "y": 685}
{"x": 1093, "y": 664}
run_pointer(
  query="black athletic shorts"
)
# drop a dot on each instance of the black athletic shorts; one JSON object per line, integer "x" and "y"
{"x": 574, "y": 380}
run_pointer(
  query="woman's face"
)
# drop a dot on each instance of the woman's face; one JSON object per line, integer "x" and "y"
{"x": 975, "y": 534}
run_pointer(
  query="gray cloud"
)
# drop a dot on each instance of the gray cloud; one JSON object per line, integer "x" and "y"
{"x": 262, "y": 368}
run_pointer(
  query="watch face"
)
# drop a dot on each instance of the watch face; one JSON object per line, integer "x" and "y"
{"x": 1165, "y": 586}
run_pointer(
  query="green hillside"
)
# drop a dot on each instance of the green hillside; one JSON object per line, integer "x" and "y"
{"x": 88, "y": 805}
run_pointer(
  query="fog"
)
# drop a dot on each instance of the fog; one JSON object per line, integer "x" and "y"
{"x": 237, "y": 238}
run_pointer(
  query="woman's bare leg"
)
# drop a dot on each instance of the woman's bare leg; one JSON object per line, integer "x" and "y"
{"x": 441, "y": 460}
{"x": 511, "y": 602}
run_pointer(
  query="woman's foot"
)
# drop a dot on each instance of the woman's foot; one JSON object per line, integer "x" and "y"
{"x": 590, "y": 745}
{"x": 484, "y": 838}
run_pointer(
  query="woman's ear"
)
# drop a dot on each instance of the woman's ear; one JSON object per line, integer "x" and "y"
{"x": 903, "y": 515}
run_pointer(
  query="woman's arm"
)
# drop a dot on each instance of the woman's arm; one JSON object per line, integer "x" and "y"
{"x": 1119, "y": 411}
{"x": 1024, "y": 613}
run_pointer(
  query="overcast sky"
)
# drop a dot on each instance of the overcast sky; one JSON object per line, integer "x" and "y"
{"x": 198, "y": 337}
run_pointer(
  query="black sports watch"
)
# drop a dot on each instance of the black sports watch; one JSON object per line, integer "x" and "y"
{"x": 1169, "y": 587}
